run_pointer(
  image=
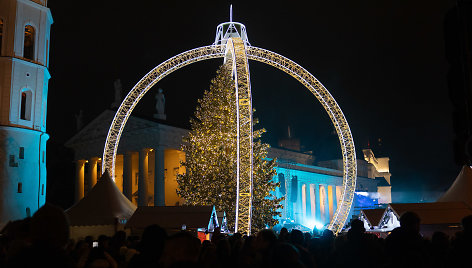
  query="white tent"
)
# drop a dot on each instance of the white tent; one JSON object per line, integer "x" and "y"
{"x": 100, "y": 211}
{"x": 461, "y": 188}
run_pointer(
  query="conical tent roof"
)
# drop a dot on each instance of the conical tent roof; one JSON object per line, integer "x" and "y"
{"x": 103, "y": 205}
{"x": 461, "y": 188}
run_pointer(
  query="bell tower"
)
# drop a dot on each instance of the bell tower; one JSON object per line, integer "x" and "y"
{"x": 24, "y": 57}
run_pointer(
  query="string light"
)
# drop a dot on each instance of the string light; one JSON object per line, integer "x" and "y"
{"x": 210, "y": 149}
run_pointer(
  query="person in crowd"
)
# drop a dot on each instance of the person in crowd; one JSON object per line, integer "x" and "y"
{"x": 45, "y": 237}
{"x": 405, "y": 245}
{"x": 97, "y": 257}
{"x": 150, "y": 248}
{"x": 181, "y": 250}
{"x": 440, "y": 249}
{"x": 283, "y": 235}
{"x": 43, "y": 240}
{"x": 462, "y": 243}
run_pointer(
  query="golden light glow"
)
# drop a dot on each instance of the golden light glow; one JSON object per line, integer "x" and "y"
{"x": 264, "y": 56}
{"x": 313, "y": 200}
{"x": 323, "y": 204}
{"x": 304, "y": 200}
{"x": 330, "y": 201}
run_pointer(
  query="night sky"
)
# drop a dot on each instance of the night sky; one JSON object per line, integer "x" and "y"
{"x": 383, "y": 61}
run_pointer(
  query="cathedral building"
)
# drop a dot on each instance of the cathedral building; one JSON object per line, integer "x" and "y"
{"x": 149, "y": 157}
{"x": 24, "y": 54}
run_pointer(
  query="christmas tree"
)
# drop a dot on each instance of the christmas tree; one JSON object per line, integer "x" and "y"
{"x": 210, "y": 148}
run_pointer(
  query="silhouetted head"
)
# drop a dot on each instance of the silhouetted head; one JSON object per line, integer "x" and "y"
{"x": 356, "y": 232}
{"x": 181, "y": 248}
{"x": 440, "y": 240}
{"x": 296, "y": 237}
{"x": 307, "y": 236}
{"x": 119, "y": 238}
{"x": 283, "y": 235}
{"x": 410, "y": 221}
{"x": 153, "y": 238}
{"x": 283, "y": 231}
{"x": 50, "y": 225}
{"x": 467, "y": 224}
{"x": 265, "y": 238}
{"x": 327, "y": 235}
{"x": 357, "y": 225}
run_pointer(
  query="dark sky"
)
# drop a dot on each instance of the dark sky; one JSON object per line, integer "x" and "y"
{"x": 383, "y": 61}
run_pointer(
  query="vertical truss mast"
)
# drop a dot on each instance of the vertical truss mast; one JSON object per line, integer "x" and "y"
{"x": 232, "y": 35}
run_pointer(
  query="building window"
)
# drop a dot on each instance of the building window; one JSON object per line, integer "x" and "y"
{"x": 12, "y": 161}
{"x": 28, "y": 48}
{"x": 26, "y": 101}
{"x": 22, "y": 153}
{"x": 1, "y": 35}
{"x": 20, "y": 187}
{"x": 42, "y": 189}
{"x": 28, "y": 212}
{"x": 43, "y": 157}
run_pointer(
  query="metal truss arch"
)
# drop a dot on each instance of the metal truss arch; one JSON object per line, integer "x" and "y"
{"x": 337, "y": 118}
{"x": 143, "y": 86}
{"x": 257, "y": 54}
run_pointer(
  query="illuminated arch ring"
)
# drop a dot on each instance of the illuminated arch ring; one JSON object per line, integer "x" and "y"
{"x": 261, "y": 55}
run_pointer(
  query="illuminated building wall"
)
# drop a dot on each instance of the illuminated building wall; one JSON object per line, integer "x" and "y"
{"x": 380, "y": 166}
{"x": 314, "y": 185}
{"x": 172, "y": 163}
{"x": 24, "y": 77}
{"x": 318, "y": 189}
{"x": 312, "y": 192}
{"x": 148, "y": 157}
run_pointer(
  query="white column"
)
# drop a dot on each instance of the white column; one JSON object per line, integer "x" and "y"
{"x": 92, "y": 173}
{"x": 318, "y": 203}
{"x": 159, "y": 178}
{"x": 308, "y": 202}
{"x": 142, "y": 177}
{"x": 79, "y": 179}
{"x": 326, "y": 204}
{"x": 304, "y": 214}
{"x": 313, "y": 203}
{"x": 299, "y": 209}
{"x": 128, "y": 175}
{"x": 335, "y": 200}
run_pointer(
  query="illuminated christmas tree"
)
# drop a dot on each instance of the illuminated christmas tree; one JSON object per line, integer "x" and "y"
{"x": 210, "y": 149}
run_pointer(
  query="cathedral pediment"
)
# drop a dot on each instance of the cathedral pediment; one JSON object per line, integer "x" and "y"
{"x": 138, "y": 133}
{"x": 98, "y": 128}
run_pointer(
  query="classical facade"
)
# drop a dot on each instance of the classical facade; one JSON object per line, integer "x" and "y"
{"x": 147, "y": 163}
{"x": 312, "y": 192}
{"x": 24, "y": 53}
{"x": 149, "y": 157}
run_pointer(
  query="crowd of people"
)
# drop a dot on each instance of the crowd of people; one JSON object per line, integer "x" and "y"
{"x": 43, "y": 241}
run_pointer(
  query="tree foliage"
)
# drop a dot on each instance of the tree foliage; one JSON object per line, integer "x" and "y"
{"x": 210, "y": 148}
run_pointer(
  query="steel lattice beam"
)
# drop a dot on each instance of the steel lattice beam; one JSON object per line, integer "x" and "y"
{"x": 337, "y": 117}
{"x": 143, "y": 86}
{"x": 237, "y": 59}
{"x": 261, "y": 55}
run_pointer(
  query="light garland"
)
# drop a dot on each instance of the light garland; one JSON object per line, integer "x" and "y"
{"x": 210, "y": 149}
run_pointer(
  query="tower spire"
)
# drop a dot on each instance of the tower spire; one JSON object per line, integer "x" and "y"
{"x": 230, "y": 13}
